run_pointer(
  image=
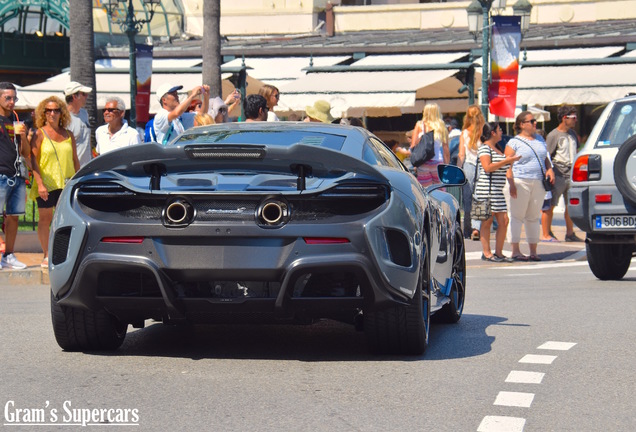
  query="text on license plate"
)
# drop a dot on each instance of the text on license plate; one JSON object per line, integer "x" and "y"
{"x": 615, "y": 222}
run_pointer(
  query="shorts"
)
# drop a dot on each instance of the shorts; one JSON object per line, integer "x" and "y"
{"x": 547, "y": 204}
{"x": 561, "y": 187}
{"x": 13, "y": 195}
{"x": 54, "y": 196}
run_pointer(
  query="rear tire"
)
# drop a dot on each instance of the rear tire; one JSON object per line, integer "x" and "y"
{"x": 608, "y": 261}
{"x": 78, "y": 329}
{"x": 403, "y": 329}
{"x": 452, "y": 311}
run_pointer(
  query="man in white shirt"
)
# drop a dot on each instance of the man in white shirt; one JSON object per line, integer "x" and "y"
{"x": 115, "y": 133}
{"x": 167, "y": 122}
{"x": 76, "y": 95}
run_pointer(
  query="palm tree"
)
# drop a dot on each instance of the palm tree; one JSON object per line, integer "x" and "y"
{"x": 212, "y": 46}
{"x": 83, "y": 51}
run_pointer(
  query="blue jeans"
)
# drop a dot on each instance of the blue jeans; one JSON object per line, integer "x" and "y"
{"x": 467, "y": 200}
{"x": 13, "y": 195}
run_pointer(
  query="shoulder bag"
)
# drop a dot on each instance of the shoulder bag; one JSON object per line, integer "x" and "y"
{"x": 481, "y": 209}
{"x": 424, "y": 151}
{"x": 547, "y": 184}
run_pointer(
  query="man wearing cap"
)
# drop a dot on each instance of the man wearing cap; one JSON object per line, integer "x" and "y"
{"x": 319, "y": 112}
{"x": 167, "y": 122}
{"x": 76, "y": 95}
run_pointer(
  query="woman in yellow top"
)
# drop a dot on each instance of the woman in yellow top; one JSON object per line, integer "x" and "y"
{"x": 54, "y": 160}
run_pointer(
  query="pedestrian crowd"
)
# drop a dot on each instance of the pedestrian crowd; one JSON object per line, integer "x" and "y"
{"x": 511, "y": 177}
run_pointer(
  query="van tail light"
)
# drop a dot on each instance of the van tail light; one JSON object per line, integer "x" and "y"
{"x": 575, "y": 201}
{"x": 603, "y": 198}
{"x": 587, "y": 168}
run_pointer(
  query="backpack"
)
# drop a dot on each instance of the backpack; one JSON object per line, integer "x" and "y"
{"x": 149, "y": 131}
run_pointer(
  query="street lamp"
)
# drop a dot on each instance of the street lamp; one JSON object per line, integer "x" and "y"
{"x": 131, "y": 25}
{"x": 482, "y": 8}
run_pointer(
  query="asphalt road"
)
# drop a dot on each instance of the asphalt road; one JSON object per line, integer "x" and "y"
{"x": 320, "y": 378}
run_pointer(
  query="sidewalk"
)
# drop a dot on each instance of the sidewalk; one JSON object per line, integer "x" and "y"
{"x": 548, "y": 251}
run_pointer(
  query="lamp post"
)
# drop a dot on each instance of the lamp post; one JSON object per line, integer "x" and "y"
{"x": 131, "y": 25}
{"x": 481, "y": 9}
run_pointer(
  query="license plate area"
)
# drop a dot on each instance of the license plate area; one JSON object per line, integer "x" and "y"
{"x": 615, "y": 222}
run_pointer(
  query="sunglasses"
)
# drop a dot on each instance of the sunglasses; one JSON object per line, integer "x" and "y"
{"x": 111, "y": 109}
{"x": 52, "y": 110}
{"x": 11, "y": 98}
{"x": 571, "y": 116}
{"x": 533, "y": 121}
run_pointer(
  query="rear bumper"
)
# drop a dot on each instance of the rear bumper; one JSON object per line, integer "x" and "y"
{"x": 584, "y": 213}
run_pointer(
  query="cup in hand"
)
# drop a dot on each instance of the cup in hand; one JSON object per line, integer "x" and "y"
{"x": 18, "y": 127}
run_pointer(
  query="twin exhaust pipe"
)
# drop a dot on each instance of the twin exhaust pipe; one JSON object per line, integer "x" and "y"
{"x": 272, "y": 212}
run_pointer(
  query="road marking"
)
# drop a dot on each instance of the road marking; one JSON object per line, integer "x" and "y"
{"x": 501, "y": 424}
{"x": 558, "y": 346}
{"x": 551, "y": 264}
{"x": 525, "y": 377}
{"x": 514, "y": 399}
{"x": 537, "y": 359}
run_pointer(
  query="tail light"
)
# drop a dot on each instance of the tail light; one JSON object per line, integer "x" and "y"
{"x": 587, "y": 168}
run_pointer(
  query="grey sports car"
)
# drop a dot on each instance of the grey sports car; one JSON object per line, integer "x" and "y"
{"x": 259, "y": 223}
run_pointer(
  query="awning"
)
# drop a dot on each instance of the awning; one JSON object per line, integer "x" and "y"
{"x": 575, "y": 85}
{"x": 118, "y": 84}
{"x": 277, "y": 71}
{"x": 572, "y": 53}
{"x": 369, "y": 93}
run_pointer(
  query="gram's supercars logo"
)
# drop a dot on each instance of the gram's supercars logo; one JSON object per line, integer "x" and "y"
{"x": 239, "y": 210}
{"x": 69, "y": 415}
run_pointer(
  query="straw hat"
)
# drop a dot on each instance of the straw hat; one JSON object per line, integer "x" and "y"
{"x": 320, "y": 111}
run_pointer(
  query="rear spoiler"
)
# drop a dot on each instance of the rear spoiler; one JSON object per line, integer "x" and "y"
{"x": 302, "y": 160}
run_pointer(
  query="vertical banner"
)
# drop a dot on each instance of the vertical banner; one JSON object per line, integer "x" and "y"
{"x": 504, "y": 65}
{"x": 144, "y": 75}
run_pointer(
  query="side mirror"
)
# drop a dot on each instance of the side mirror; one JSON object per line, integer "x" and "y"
{"x": 451, "y": 175}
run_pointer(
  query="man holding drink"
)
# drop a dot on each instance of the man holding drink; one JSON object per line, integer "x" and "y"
{"x": 13, "y": 144}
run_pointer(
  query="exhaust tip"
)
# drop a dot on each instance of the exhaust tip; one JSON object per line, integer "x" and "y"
{"x": 179, "y": 213}
{"x": 273, "y": 213}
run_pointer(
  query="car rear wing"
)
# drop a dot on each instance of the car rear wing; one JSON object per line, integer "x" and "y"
{"x": 301, "y": 160}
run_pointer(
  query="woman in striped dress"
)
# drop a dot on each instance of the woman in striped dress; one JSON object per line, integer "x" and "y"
{"x": 492, "y": 179}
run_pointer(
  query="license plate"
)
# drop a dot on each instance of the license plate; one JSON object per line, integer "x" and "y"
{"x": 615, "y": 222}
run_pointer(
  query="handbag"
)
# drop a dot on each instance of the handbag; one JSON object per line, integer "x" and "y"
{"x": 481, "y": 209}
{"x": 547, "y": 184}
{"x": 424, "y": 151}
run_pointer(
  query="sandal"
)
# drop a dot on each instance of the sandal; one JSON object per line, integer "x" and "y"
{"x": 534, "y": 258}
{"x": 504, "y": 258}
{"x": 521, "y": 258}
{"x": 45, "y": 263}
{"x": 491, "y": 258}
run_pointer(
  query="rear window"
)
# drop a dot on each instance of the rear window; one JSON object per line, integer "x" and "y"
{"x": 269, "y": 138}
{"x": 620, "y": 125}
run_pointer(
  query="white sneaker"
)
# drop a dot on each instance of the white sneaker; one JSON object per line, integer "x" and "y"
{"x": 10, "y": 261}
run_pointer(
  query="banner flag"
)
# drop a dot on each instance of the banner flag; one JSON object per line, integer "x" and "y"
{"x": 504, "y": 65}
{"x": 144, "y": 75}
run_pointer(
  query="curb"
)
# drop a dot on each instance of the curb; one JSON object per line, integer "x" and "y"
{"x": 28, "y": 276}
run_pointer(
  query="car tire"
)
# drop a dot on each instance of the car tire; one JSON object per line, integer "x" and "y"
{"x": 452, "y": 311}
{"x": 624, "y": 170}
{"x": 403, "y": 329}
{"x": 78, "y": 329}
{"x": 608, "y": 261}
